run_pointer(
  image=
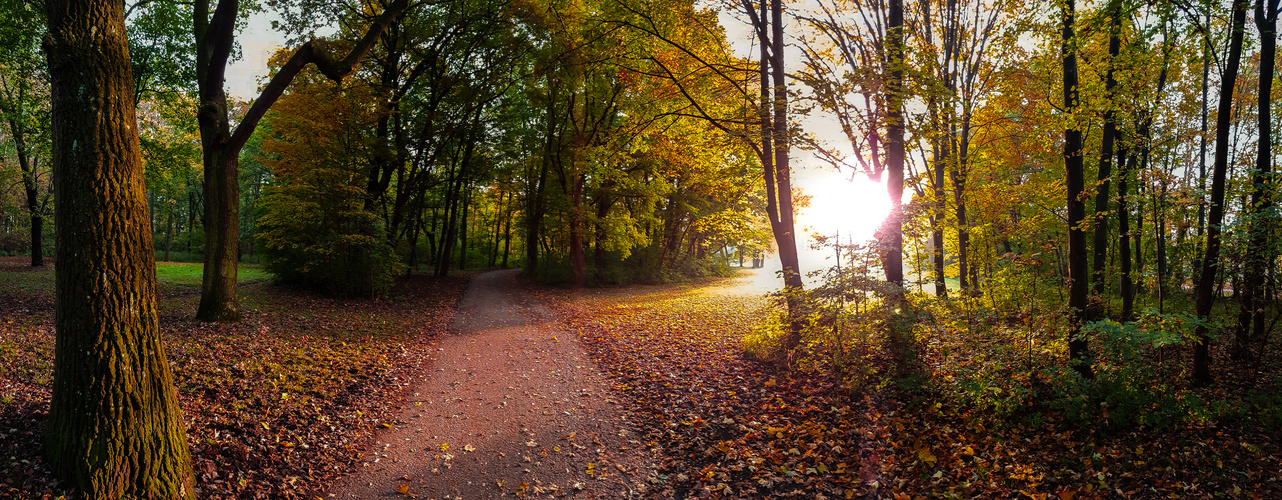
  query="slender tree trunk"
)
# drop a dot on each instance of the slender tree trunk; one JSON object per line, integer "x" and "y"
{"x": 115, "y": 429}
{"x": 1099, "y": 268}
{"x": 1159, "y": 240}
{"x": 937, "y": 219}
{"x": 785, "y": 237}
{"x": 773, "y": 153}
{"x": 1211, "y": 257}
{"x": 893, "y": 227}
{"x": 1078, "y": 346}
{"x": 1201, "y": 159}
{"x": 27, "y": 164}
{"x": 963, "y": 234}
{"x": 169, "y": 232}
{"x": 414, "y": 229}
{"x": 32, "y": 189}
{"x": 507, "y": 234}
{"x": 534, "y": 199}
{"x": 602, "y": 211}
{"x": 498, "y": 227}
{"x": 1126, "y": 289}
{"x": 449, "y": 229}
{"x": 1137, "y": 233}
{"x": 577, "y": 222}
{"x": 1250, "y": 327}
{"x": 462, "y": 240}
{"x": 37, "y": 240}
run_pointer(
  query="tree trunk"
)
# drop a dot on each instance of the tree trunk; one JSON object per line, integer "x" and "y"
{"x": 32, "y": 189}
{"x": 1126, "y": 289}
{"x": 963, "y": 234}
{"x": 1250, "y": 328}
{"x": 937, "y": 221}
{"x": 602, "y": 211}
{"x": 893, "y": 227}
{"x": 169, "y": 232}
{"x": 773, "y": 154}
{"x": 448, "y": 228}
{"x": 1099, "y": 271}
{"x": 115, "y": 429}
{"x": 534, "y": 199}
{"x": 466, "y": 199}
{"x": 1078, "y": 347}
{"x": 1211, "y": 257}
{"x": 507, "y": 235}
{"x": 1201, "y": 158}
{"x": 498, "y": 227}
{"x": 27, "y": 164}
{"x": 221, "y": 146}
{"x": 577, "y": 220}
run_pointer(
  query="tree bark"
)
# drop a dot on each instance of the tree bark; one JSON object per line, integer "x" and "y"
{"x": 1211, "y": 257}
{"x": 466, "y": 199}
{"x": 115, "y": 429}
{"x": 1126, "y": 288}
{"x": 893, "y": 227}
{"x": 1251, "y": 324}
{"x": 1078, "y": 347}
{"x": 1099, "y": 271}
{"x": 963, "y": 233}
{"x": 773, "y": 153}
{"x": 27, "y": 164}
{"x": 937, "y": 220}
{"x": 507, "y": 234}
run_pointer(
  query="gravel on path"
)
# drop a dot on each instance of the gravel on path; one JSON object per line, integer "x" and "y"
{"x": 512, "y": 405}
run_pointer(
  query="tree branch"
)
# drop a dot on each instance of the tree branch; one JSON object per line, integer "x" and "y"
{"x": 335, "y": 70}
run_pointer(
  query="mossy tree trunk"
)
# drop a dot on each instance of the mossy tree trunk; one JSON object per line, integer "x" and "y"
{"x": 115, "y": 429}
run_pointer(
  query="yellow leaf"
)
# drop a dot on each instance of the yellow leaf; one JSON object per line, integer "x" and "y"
{"x": 445, "y": 446}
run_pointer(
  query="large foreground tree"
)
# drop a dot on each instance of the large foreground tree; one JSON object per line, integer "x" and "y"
{"x": 115, "y": 429}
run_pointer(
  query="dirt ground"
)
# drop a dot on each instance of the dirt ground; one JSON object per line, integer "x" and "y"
{"x": 512, "y": 406}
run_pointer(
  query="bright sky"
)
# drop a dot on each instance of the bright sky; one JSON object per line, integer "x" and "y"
{"x": 841, "y": 202}
{"x": 258, "y": 42}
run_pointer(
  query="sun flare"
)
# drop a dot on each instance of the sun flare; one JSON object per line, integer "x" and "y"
{"x": 838, "y": 204}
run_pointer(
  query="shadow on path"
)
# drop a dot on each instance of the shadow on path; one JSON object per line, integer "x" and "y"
{"x": 512, "y": 405}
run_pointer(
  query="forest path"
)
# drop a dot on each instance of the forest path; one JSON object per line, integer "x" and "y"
{"x": 512, "y": 405}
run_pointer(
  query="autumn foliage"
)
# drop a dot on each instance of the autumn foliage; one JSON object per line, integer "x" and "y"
{"x": 314, "y": 225}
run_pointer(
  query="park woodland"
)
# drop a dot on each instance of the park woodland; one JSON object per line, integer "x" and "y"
{"x": 569, "y": 249}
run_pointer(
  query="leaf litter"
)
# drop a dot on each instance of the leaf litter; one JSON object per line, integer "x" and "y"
{"x": 277, "y": 406}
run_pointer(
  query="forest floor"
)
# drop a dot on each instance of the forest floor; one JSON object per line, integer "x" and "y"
{"x": 277, "y": 406}
{"x": 637, "y": 392}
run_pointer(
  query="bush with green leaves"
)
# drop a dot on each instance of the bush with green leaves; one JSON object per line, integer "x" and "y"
{"x": 314, "y": 232}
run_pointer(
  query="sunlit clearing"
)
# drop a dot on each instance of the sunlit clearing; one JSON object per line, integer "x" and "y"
{"x": 855, "y": 208}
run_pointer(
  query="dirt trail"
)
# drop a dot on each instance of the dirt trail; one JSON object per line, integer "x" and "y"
{"x": 512, "y": 405}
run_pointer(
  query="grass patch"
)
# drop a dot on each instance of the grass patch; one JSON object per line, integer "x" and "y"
{"x": 189, "y": 274}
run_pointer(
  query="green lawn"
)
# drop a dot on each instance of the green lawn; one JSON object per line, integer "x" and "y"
{"x": 188, "y": 274}
{"x": 18, "y": 278}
